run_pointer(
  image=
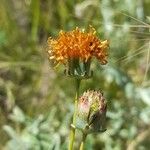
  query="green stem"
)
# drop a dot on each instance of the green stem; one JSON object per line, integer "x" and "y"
{"x": 83, "y": 141}
{"x": 72, "y": 133}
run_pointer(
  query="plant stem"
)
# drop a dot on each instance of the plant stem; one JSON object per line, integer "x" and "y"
{"x": 72, "y": 133}
{"x": 83, "y": 141}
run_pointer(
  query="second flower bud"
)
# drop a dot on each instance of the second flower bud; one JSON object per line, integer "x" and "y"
{"x": 91, "y": 113}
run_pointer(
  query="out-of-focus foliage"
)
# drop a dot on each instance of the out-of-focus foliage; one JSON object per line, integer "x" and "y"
{"x": 36, "y": 101}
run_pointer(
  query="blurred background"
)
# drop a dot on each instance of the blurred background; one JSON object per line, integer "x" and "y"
{"x": 36, "y": 100}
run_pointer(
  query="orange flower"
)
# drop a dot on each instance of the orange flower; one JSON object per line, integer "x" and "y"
{"x": 77, "y": 44}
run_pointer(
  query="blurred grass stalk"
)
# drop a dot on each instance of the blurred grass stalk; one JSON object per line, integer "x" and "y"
{"x": 35, "y": 6}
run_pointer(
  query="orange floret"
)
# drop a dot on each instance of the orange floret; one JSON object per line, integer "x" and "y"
{"x": 77, "y": 44}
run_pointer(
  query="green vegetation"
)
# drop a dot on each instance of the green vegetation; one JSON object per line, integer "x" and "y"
{"x": 36, "y": 104}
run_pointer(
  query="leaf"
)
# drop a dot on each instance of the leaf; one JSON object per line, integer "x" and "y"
{"x": 17, "y": 115}
{"x": 144, "y": 94}
{"x": 10, "y": 131}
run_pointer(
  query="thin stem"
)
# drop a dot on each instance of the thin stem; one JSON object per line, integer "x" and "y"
{"x": 83, "y": 141}
{"x": 72, "y": 133}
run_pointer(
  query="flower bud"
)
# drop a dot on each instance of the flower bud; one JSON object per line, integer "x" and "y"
{"x": 91, "y": 113}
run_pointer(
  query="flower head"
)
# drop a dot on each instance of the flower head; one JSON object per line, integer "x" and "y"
{"x": 91, "y": 114}
{"x": 77, "y": 44}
